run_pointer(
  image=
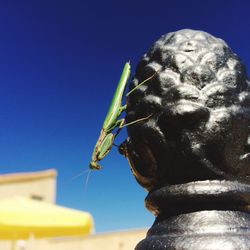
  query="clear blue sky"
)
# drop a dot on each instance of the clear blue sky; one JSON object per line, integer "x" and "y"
{"x": 59, "y": 65}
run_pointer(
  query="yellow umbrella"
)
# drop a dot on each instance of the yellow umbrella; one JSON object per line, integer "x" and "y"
{"x": 22, "y": 217}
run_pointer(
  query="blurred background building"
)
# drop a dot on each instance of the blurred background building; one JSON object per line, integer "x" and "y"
{"x": 35, "y": 185}
{"x": 41, "y": 186}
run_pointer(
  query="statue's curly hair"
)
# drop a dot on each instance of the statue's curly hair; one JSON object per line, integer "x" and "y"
{"x": 197, "y": 100}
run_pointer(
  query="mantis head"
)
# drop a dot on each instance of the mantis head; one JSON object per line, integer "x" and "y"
{"x": 94, "y": 165}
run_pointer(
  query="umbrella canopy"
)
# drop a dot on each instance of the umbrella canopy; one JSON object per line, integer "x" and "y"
{"x": 21, "y": 217}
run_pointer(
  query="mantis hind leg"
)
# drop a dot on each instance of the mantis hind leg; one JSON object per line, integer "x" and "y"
{"x": 143, "y": 82}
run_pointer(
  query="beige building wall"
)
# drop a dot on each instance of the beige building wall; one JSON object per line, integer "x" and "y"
{"x": 42, "y": 186}
{"x": 36, "y": 185}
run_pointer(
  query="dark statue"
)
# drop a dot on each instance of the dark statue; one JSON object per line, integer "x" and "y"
{"x": 193, "y": 152}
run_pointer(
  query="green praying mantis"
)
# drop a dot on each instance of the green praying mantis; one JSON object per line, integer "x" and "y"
{"x": 112, "y": 120}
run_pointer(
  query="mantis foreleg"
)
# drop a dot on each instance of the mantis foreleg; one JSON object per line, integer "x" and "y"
{"x": 105, "y": 146}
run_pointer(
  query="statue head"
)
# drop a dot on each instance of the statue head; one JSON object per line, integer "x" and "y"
{"x": 198, "y": 107}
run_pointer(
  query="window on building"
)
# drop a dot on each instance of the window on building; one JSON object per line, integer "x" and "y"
{"x": 37, "y": 197}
